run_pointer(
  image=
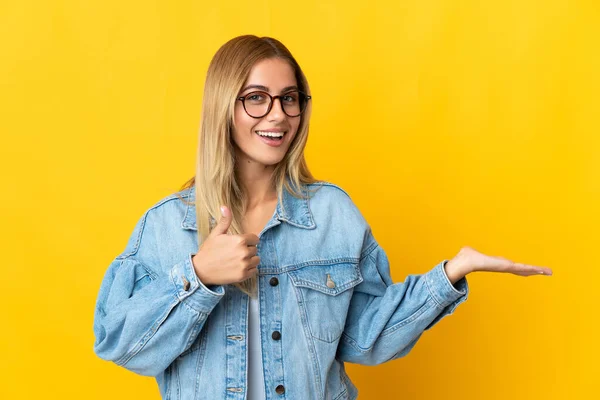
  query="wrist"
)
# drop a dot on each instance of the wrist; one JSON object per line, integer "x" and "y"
{"x": 199, "y": 272}
{"x": 455, "y": 271}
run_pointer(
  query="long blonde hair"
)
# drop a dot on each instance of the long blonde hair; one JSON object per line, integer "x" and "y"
{"x": 216, "y": 182}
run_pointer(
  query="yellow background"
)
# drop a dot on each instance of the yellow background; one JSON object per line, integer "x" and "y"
{"x": 450, "y": 123}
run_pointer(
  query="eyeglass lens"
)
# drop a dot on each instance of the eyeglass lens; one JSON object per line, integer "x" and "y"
{"x": 257, "y": 103}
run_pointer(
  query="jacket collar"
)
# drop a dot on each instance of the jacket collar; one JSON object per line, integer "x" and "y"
{"x": 289, "y": 209}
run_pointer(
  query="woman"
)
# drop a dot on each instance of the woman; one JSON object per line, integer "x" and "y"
{"x": 288, "y": 282}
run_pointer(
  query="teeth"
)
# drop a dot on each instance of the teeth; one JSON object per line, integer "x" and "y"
{"x": 270, "y": 134}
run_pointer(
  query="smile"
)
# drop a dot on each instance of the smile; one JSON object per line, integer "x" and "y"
{"x": 277, "y": 135}
{"x": 273, "y": 139}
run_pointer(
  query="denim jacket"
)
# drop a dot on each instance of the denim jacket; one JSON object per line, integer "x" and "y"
{"x": 324, "y": 284}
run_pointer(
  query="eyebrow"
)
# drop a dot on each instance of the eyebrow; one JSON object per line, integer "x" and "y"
{"x": 266, "y": 89}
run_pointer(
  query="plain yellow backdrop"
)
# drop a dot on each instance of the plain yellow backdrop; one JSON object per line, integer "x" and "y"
{"x": 450, "y": 123}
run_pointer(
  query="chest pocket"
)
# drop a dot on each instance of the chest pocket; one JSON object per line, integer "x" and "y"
{"x": 324, "y": 293}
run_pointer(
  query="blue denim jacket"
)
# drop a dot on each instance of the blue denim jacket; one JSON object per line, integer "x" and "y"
{"x": 324, "y": 285}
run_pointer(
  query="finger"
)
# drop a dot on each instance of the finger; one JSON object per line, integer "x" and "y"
{"x": 249, "y": 273}
{"x": 224, "y": 222}
{"x": 254, "y": 261}
{"x": 524, "y": 272}
{"x": 251, "y": 251}
{"x": 250, "y": 239}
{"x": 528, "y": 270}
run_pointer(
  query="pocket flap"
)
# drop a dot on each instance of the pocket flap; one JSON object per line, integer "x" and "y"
{"x": 330, "y": 279}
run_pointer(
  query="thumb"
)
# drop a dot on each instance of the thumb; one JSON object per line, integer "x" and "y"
{"x": 224, "y": 222}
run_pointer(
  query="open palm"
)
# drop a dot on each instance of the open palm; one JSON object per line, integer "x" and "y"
{"x": 476, "y": 261}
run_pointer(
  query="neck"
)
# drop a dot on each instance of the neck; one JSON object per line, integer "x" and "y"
{"x": 256, "y": 180}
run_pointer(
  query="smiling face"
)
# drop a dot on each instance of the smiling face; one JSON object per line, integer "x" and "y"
{"x": 251, "y": 135}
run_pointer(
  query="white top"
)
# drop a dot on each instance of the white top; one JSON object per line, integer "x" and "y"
{"x": 256, "y": 381}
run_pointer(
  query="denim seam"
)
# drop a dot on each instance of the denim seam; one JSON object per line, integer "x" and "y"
{"x": 197, "y": 311}
{"x": 168, "y": 382}
{"x": 326, "y": 341}
{"x": 348, "y": 339}
{"x": 432, "y": 292}
{"x": 312, "y": 287}
{"x": 309, "y": 335}
{"x": 311, "y": 226}
{"x": 192, "y": 290}
{"x": 351, "y": 341}
{"x": 343, "y": 393}
{"x": 324, "y": 183}
{"x": 330, "y": 292}
{"x": 152, "y": 274}
{"x": 138, "y": 240}
{"x": 426, "y": 306}
{"x": 447, "y": 280}
{"x": 143, "y": 225}
{"x": 178, "y": 380}
{"x": 192, "y": 309}
{"x": 200, "y": 360}
{"x": 192, "y": 338}
{"x": 323, "y": 262}
{"x": 368, "y": 250}
{"x": 343, "y": 381}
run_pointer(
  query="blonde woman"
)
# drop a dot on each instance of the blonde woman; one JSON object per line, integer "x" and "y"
{"x": 256, "y": 281}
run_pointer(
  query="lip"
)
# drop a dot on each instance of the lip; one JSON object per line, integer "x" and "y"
{"x": 269, "y": 142}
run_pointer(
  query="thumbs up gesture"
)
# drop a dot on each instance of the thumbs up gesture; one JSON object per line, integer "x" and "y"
{"x": 222, "y": 258}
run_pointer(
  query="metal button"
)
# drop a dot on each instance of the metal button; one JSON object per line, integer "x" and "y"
{"x": 186, "y": 283}
{"x": 276, "y": 335}
{"x": 330, "y": 282}
{"x": 273, "y": 281}
{"x": 280, "y": 389}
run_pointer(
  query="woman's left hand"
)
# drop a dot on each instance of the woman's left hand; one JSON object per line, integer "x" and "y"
{"x": 470, "y": 260}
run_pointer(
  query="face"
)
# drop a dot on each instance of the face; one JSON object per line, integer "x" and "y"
{"x": 251, "y": 135}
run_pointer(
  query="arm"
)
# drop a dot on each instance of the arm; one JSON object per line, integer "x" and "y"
{"x": 386, "y": 319}
{"x": 145, "y": 317}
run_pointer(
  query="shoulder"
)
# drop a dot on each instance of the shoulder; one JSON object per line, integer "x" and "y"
{"x": 170, "y": 206}
{"x": 329, "y": 200}
{"x": 165, "y": 214}
{"x": 328, "y": 190}
{"x": 182, "y": 196}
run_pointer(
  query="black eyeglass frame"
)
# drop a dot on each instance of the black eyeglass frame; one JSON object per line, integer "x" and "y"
{"x": 243, "y": 100}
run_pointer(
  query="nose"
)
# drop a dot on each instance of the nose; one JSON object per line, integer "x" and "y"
{"x": 276, "y": 113}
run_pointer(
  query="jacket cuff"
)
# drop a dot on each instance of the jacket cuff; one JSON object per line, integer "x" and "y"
{"x": 444, "y": 293}
{"x": 191, "y": 291}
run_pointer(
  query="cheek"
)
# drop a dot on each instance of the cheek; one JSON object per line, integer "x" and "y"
{"x": 295, "y": 125}
{"x": 242, "y": 123}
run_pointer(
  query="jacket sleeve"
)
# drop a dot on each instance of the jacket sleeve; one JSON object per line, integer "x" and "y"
{"x": 146, "y": 316}
{"x": 386, "y": 319}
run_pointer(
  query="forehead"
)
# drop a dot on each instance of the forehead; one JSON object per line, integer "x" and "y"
{"x": 274, "y": 73}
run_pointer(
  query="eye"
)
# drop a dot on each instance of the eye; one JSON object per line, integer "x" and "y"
{"x": 290, "y": 97}
{"x": 256, "y": 97}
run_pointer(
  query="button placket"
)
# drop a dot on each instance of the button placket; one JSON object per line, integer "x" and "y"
{"x": 271, "y": 305}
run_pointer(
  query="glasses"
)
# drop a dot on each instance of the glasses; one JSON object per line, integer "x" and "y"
{"x": 258, "y": 104}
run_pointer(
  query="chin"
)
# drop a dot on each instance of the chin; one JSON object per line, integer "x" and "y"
{"x": 268, "y": 163}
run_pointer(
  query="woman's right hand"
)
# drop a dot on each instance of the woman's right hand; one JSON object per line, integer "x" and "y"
{"x": 224, "y": 258}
